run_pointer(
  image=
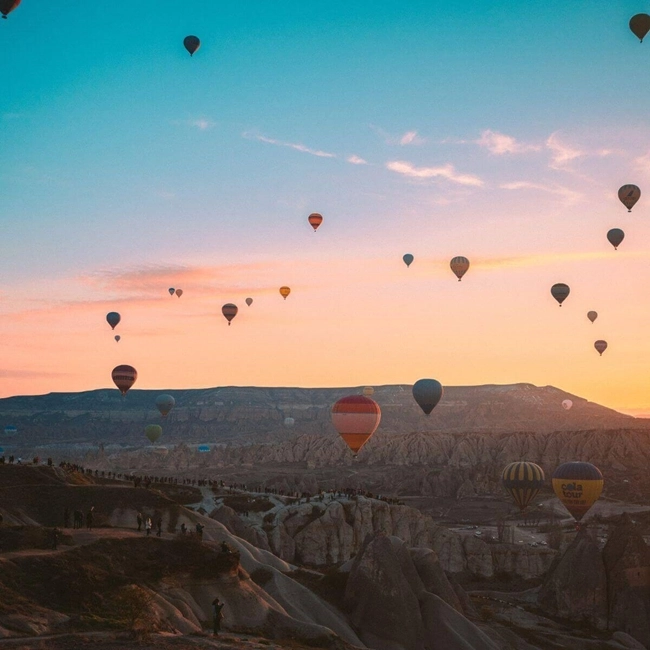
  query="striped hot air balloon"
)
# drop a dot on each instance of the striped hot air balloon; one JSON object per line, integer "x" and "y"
{"x": 368, "y": 391}
{"x": 356, "y": 418}
{"x": 459, "y": 266}
{"x": 523, "y": 480}
{"x": 229, "y": 311}
{"x": 284, "y": 292}
{"x": 124, "y": 377}
{"x": 315, "y": 220}
{"x": 578, "y": 486}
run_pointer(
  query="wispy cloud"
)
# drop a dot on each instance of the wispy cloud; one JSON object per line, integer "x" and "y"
{"x": 411, "y": 137}
{"x": 570, "y": 195}
{"x": 356, "y": 160}
{"x": 404, "y": 139}
{"x": 201, "y": 123}
{"x": 292, "y": 145}
{"x": 447, "y": 172}
{"x": 500, "y": 143}
{"x": 547, "y": 259}
{"x": 562, "y": 154}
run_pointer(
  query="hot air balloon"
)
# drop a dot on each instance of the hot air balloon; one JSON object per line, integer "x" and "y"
{"x": 113, "y": 318}
{"x": 628, "y": 195}
{"x": 523, "y": 480}
{"x": 124, "y": 377}
{"x": 10, "y": 430}
{"x": 640, "y": 25}
{"x": 171, "y": 291}
{"x": 427, "y": 393}
{"x": 356, "y": 418}
{"x": 578, "y": 486}
{"x": 615, "y": 236}
{"x": 202, "y": 449}
{"x": 179, "y": 292}
{"x": 165, "y": 403}
{"x": 459, "y": 266}
{"x": 7, "y": 6}
{"x": 368, "y": 391}
{"x": 567, "y": 404}
{"x": 601, "y": 346}
{"x": 153, "y": 432}
{"x": 249, "y": 301}
{"x": 592, "y": 315}
{"x": 229, "y": 311}
{"x": 117, "y": 337}
{"x": 315, "y": 220}
{"x": 408, "y": 259}
{"x": 192, "y": 44}
{"x": 560, "y": 292}
{"x": 284, "y": 292}
{"x": 289, "y": 422}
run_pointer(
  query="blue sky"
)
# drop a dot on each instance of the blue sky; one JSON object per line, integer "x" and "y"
{"x": 496, "y": 130}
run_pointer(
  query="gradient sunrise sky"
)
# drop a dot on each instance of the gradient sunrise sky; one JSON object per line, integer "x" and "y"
{"x": 499, "y": 131}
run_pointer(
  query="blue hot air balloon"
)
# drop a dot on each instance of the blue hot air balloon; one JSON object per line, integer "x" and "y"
{"x": 203, "y": 448}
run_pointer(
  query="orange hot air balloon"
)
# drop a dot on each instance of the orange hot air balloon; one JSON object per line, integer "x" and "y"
{"x": 315, "y": 220}
{"x": 179, "y": 292}
{"x": 7, "y": 6}
{"x": 229, "y": 311}
{"x": 356, "y": 418}
{"x": 284, "y": 292}
{"x": 459, "y": 266}
{"x": 124, "y": 377}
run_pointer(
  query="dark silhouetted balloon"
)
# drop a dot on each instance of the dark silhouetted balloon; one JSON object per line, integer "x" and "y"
{"x": 640, "y": 25}
{"x": 459, "y": 266}
{"x": 171, "y": 291}
{"x": 578, "y": 486}
{"x": 117, "y": 337}
{"x": 229, "y": 311}
{"x": 408, "y": 259}
{"x": 601, "y": 346}
{"x": 592, "y": 315}
{"x": 113, "y": 318}
{"x": 179, "y": 292}
{"x": 615, "y": 236}
{"x": 165, "y": 403}
{"x": 315, "y": 220}
{"x": 192, "y": 44}
{"x": 427, "y": 393}
{"x": 628, "y": 195}
{"x": 249, "y": 301}
{"x": 560, "y": 292}
{"x": 523, "y": 480}
{"x": 153, "y": 432}
{"x": 7, "y": 6}
{"x": 356, "y": 418}
{"x": 124, "y": 377}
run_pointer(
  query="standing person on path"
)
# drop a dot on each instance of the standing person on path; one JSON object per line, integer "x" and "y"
{"x": 159, "y": 527}
{"x": 89, "y": 518}
{"x": 139, "y": 520}
{"x": 147, "y": 526}
{"x": 217, "y": 616}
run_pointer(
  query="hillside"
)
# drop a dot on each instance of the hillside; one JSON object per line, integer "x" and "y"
{"x": 243, "y": 416}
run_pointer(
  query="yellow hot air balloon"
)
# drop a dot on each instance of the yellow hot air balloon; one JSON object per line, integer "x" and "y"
{"x": 578, "y": 486}
{"x": 153, "y": 432}
{"x": 368, "y": 391}
{"x": 284, "y": 292}
{"x": 523, "y": 480}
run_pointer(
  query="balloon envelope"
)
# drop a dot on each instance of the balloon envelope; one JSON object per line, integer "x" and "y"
{"x": 368, "y": 391}
{"x": 165, "y": 403}
{"x": 7, "y": 6}
{"x": 11, "y": 430}
{"x": 408, "y": 259}
{"x": 601, "y": 346}
{"x": 179, "y": 292}
{"x": 459, "y": 266}
{"x": 229, "y": 311}
{"x": 523, "y": 480}
{"x": 153, "y": 432}
{"x": 592, "y": 315}
{"x": 356, "y": 418}
{"x": 615, "y": 236}
{"x": 284, "y": 292}
{"x": 249, "y": 301}
{"x": 289, "y": 422}
{"x": 117, "y": 337}
{"x": 640, "y": 25}
{"x": 315, "y": 220}
{"x": 427, "y": 393}
{"x": 628, "y": 195}
{"x": 124, "y": 377}
{"x": 171, "y": 291}
{"x": 560, "y": 292}
{"x": 192, "y": 44}
{"x": 113, "y": 318}
{"x": 578, "y": 486}
{"x": 203, "y": 448}
{"x": 567, "y": 404}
